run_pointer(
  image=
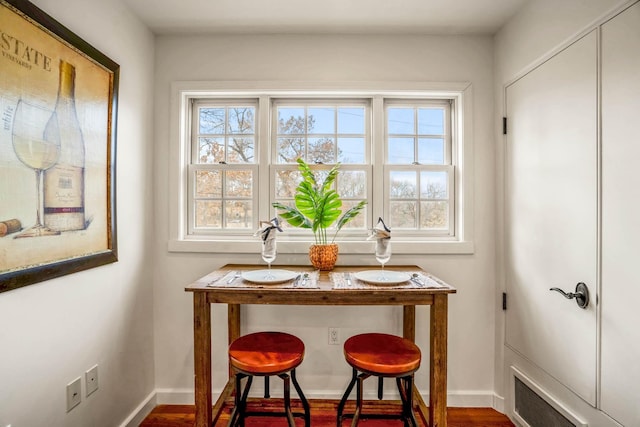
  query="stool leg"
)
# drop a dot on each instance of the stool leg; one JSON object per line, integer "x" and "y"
{"x": 243, "y": 403}
{"x": 287, "y": 400}
{"x": 405, "y": 387}
{"x": 238, "y": 392}
{"x": 380, "y": 385}
{"x": 346, "y": 394}
{"x": 410, "y": 400}
{"x": 305, "y": 403}
{"x": 238, "y": 414}
{"x": 266, "y": 387}
{"x": 359, "y": 392}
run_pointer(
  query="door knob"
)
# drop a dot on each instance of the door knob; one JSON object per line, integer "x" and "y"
{"x": 581, "y": 294}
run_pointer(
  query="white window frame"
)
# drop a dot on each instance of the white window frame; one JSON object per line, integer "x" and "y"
{"x": 194, "y": 166}
{"x": 346, "y": 234}
{"x": 448, "y": 166}
{"x": 182, "y": 93}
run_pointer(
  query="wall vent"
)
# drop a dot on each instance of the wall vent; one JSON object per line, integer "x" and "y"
{"x": 532, "y": 407}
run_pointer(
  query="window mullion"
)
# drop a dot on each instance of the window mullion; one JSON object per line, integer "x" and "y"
{"x": 379, "y": 199}
{"x": 448, "y": 138}
{"x": 264, "y": 142}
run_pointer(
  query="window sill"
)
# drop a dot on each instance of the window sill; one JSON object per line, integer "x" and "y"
{"x": 346, "y": 247}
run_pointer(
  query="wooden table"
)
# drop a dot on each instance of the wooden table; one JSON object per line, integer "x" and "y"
{"x": 203, "y": 297}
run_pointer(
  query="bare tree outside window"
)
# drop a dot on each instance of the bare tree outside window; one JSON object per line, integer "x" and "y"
{"x": 226, "y": 136}
{"x": 412, "y": 156}
{"x": 320, "y": 134}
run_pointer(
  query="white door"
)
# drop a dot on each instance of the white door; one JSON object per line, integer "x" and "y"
{"x": 620, "y": 376}
{"x": 551, "y": 215}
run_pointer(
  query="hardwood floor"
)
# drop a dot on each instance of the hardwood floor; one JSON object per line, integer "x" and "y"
{"x": 323, "y": 414}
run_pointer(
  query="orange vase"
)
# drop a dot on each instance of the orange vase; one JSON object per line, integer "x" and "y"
{"x": 323, "y": 257}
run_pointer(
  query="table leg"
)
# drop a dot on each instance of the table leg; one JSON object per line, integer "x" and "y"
{"x": 202, "y": 356}
{"x": 409, "y": 322}
{"x": 438, "y": 368}
{"x": 233, "y": 326}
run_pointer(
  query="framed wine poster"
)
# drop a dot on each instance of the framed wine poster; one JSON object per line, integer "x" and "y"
{"x": 58, "y": 99}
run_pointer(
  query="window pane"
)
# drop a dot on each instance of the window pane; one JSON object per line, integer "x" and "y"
{"x": 290, "y": 149}
{"x": 291, "y": 120}
{"x": 401, "y": 151}
{"x": 403, "y": 185}
{"x": 430, "y": 151}
{"x": 352, "y": 184}
{"x": 211, "y": 150}
{"x": 351, "y": 150}
{"x": 431, "y": 121}
{"x": 322, "y": 150}
{"x": 434, "y": 215}
{"x": 400, "y": 121}
{"x": 241, "y": 150}
{"x": 238, "y": 214}
{"x": 403, "y": 214}
{"x": 433, "y": 185}
{"x": 208, "y": 214}
{"x": 211, "y": 120}
{"x": 208, "y": 184}
{"x": 241, "y": 120}
{"x": 351, "y": 120}
{"x": 286, "y": 184}
{"x": 238, "y": 183}
{"x": 321, "y": 120}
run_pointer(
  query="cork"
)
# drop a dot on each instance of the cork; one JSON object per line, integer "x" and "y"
{"x": 9, "y": 226}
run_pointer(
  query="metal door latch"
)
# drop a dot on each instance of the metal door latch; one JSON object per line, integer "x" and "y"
{"x": 581, "y": 294}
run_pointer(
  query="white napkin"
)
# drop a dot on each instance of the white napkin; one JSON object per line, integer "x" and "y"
{"x": 381, "y": 233}
{"x": 268, "y": 232}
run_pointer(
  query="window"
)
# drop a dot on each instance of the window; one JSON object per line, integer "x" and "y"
{"x": 403, "y": 152}
{"x": 323, "y": 132}
{"x": 223, "y": 169}
{"x": 419, "y": 169}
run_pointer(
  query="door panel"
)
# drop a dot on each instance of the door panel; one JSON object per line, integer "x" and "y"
{"x": 620, "y": 360}
{"x": 551, "y": 215}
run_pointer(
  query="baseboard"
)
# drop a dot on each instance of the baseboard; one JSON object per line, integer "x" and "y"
{"x": 468, "y": 399}
{"x": 139, "y": 414}
{"x": 165, "y": 396}
{"x": 498, "y": 403}
{"x": 181, "y": 396}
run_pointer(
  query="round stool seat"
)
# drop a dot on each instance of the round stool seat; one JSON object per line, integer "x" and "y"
{"x": 266, "y": 353}
{"x": 382, "y": 354}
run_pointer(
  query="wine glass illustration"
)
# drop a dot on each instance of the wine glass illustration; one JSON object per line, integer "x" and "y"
{"x": 269, "y": 252}
{"x": 383, "y": 254}
{"x": 37, "y": 145}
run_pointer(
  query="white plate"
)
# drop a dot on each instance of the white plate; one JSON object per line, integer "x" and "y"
{"x": 377, "y": 277}
{"x": 269, "y": 276}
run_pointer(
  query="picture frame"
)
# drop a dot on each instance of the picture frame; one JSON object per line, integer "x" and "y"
{"x": 58, "y": 122}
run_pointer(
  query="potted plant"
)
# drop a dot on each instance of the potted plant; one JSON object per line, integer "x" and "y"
{"x": 318, "y": 207}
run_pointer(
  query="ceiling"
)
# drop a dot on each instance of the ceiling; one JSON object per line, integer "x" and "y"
{"x": 325, "y": 16}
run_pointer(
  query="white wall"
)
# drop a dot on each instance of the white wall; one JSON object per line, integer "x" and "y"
{"x": 330, "y": 58}
{"x": 53, "y": 331}
{"x": 535, "y": 32}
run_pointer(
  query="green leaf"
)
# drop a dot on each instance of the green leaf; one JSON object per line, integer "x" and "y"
{"x": 350, "y": 214}
{"x": 328, "y": 210}
{"x": 317, "y": 205}
{"x": 292, "y": 215}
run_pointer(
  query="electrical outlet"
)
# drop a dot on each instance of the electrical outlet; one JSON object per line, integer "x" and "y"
{"x": 334, "y": 336}
{"x": 91, "y": 380}
{"x": 74, "y": 393}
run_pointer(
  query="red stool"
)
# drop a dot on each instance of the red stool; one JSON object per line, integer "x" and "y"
{"x": 265, "y": 354}
{"x": 382, "y": 356}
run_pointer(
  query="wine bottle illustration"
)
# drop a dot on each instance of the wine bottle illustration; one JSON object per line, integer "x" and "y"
{"x": 64, "y": 182}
